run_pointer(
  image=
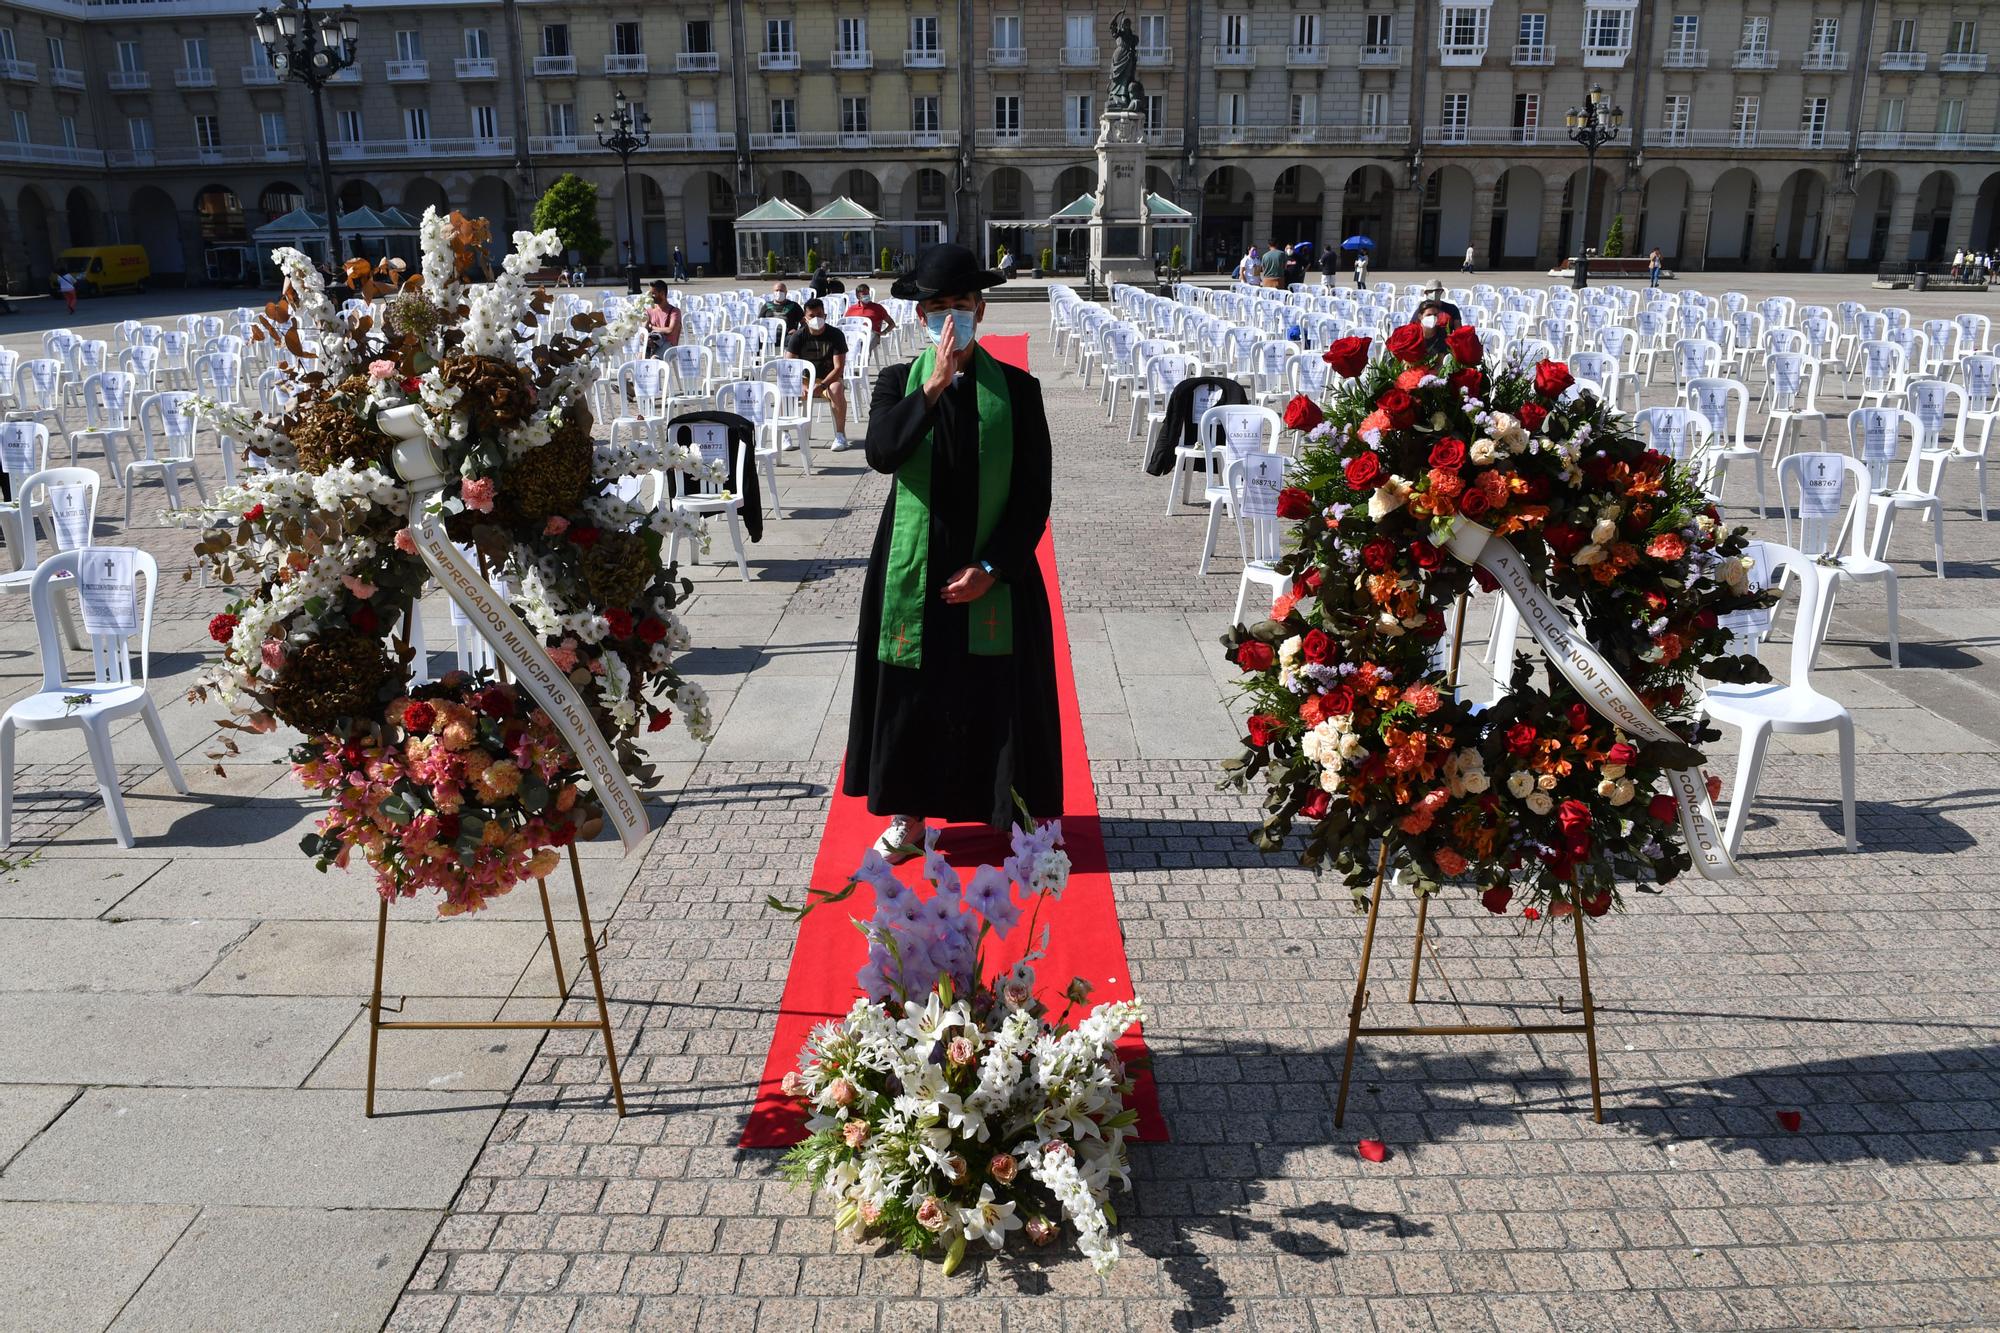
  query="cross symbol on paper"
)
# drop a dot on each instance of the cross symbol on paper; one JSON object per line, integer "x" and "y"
{"x": 902, "y": 640}
{"x": 992, "y": 622}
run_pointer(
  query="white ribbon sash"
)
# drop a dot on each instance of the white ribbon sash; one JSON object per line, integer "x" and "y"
{"x": 515, "y": 647}
{"x": 1593, "y": 678}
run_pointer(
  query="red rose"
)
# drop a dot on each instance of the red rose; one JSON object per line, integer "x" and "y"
{"x": 1294, "y": 503}
{"x": 620, "y": 621}
{"x": 1337, "y": 702}
{"x": 1474, "y": 504}
{"x": 1664, "y": 808}
{"x": 660, "y": 720}
{"x": 222, "y": 626}
{"x": 1597, "y": 904}
{"x": 411, "y": 383}
{"x": 1495, "y": 899}
{"x": 1397, "y": 405}
{"x": 363, "y": 618}
{"x": 1704, "y": 620}
{"x": 1579, "y": 716}
{"x": 1532, "y": 415}
{"x": 1433, "y": 625}
{"x": 448, "y": 828}
{"x": 1622, "y": 753}
{"x": 1551, "y": 378}
{"x": 1302, "y": 413}
{"x": 1425, "y": 554}
{"x": 495, "y": 701}
{"x": 1564, "y": 539}
{"x": 1310, "y": 583}
{"x": 1347, "y": 356}
{"x": 1316, "y": 805}
{"x": 1471, "y": 380}
{"x": 1521, "y": 738}
{"x": 1486, "y": 582}
{"x": 1573, "y": 816}
{"x": 1262, "y": 726}
{"x": 1464, "y": 344}
{"x": 1407, "y": 344}
{"x": 253, "y": 513}
{"x": 418, "y": 716}
{"x": 1317, "y": 647}
{"x": 1377, "y": 554}
{"x": 652, "y": 630}
{"x": 1448, "y": 453}
{"x": 583, "y": 535}
{"x": 1597, "y": 467}
{"x": 1255, "y": 655}
{"x": 1362, "y": 470}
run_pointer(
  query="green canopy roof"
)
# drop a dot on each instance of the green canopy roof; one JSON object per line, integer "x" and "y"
{"x": 773, "y": 210}
{"x": 1158, "y": 207}
{"x": 844, "y": 209}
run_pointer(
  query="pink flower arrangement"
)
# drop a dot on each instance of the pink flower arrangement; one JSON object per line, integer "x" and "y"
{"x": 467, "y": 802}
{"x": 477, "y": 492}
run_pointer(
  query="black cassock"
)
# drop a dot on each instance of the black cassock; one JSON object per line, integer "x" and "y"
{"x": 954, "y": 738}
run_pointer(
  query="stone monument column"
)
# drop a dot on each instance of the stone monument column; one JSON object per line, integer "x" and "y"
{"x": 1121, "y": 233}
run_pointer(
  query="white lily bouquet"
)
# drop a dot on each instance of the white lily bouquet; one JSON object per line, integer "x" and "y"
{"x": 948, "y": 1106}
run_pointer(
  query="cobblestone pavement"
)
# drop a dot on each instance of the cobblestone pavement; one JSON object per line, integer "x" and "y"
{"x": 1851, "y": 988}
{"x": 196, "y": 995}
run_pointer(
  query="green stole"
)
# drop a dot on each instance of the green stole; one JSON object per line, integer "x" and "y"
{"x": 906, "y": 581}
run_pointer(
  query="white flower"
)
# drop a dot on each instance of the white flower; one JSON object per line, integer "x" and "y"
{"x": 990, "y": 1220}
{"x": 1539, "y": 802}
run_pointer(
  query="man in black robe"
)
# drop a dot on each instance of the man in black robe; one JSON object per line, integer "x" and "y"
{"x": 955, "y": 706}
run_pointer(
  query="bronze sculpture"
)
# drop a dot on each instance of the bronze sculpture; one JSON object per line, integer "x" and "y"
{"x": 1127, "y": 93}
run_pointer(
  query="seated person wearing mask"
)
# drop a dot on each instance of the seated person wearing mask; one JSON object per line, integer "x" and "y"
{"x": 824, "y": 348}
{"x": 781, "y": 306}
{"x": 865, "y": 306}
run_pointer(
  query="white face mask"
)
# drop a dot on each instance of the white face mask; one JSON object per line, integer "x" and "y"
{"x": 815, "y": 323}
{"x": 961, "y": 318}
{"x": 1430, "y": 321}
{"x": 778, "y": 295}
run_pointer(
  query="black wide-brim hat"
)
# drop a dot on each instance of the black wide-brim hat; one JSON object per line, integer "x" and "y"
{"x": 945, "y": 270}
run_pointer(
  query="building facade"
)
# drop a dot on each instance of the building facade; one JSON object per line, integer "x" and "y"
{"x": 1813, "y": 134}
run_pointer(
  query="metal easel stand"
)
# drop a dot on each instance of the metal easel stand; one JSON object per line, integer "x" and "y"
{"x": 601, "y": 1024}
{"x": 1355, "y": 1031}
{"x": 1588, "y": 1027}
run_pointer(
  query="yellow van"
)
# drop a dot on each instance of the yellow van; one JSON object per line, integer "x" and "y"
{"x": 103, "y": 268}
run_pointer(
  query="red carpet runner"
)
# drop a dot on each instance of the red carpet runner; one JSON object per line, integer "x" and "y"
{"x": 1085, "y": 937}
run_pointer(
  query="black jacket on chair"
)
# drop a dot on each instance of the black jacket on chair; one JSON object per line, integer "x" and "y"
{"x": 743, "y": 436}
{"x": 1181, "y": 423}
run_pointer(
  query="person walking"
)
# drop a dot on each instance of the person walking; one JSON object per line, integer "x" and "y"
{"x": 1329, "y": 267}
{"x": 680, "y": 265}
{"x": 1361, "y": 270}
{"x": 954, "y": 707}
{"x": 1654, "y": 262}
{"x": 1466, "y": 267}
{"x": 66, "y": 284}
{"x": 824, "y": 348}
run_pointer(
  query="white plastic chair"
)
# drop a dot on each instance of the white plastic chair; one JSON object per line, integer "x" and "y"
{"x": 1980, "y": 374}
{"x": 166, "y": 446}
{"x": 91, "y": 705}
{"x": 108, "y": 398}
{"x": 1884, "y": 373}
{"x": 1835, "y": 507}
{"x": 1254, "y": 481}
{"x": 38, "y": 393}
{"x": 644, "y": 390}
{"x": 1155, "y": 389}
{"x": 1711, "y": 397}
{"x": 1794, "y": 708}
{"x": 797, "y": 384}
{"x": 1875, "y": 436}
{"x": 62, "y": 500}
{"x": 695, "y": 501}
{"x": 24, "y": 451}
{"x": 1228, "y": 434}
{"x": 757, "y": 402}
{"x": 1792, "y": 382}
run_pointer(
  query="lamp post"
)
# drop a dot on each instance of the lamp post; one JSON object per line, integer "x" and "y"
{"x": 313, "y": 50}
{"x": 1594, "y": 124}
{"x": 627, "y": 136}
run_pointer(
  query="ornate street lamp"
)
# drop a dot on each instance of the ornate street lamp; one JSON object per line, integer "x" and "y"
{"x": 313, "y": 50}
{"x": 1594, "y": 124}
{"x": 627, "y": 136}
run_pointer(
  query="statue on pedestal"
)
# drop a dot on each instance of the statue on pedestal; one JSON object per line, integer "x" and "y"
{"x": 1127, "y": 93}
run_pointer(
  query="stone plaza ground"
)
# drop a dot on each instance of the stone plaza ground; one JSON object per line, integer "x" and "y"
{"x": 182, "y": 1038}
